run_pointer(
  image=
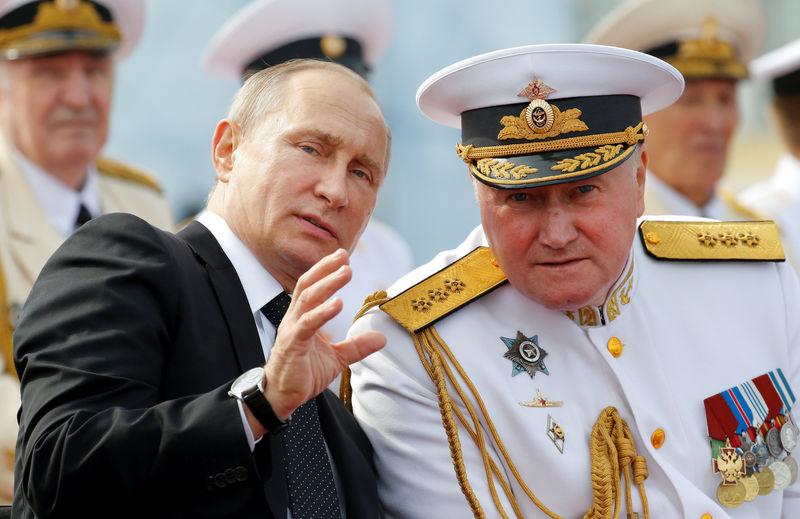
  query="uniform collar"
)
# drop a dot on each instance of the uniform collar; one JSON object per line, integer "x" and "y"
{"x": 259, "y": 286}
{"x": 60, "y": 202}
{"x": 619, "y": 299}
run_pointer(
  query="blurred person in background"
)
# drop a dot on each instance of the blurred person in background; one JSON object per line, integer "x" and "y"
{"x": 778, "y": 198}
{"x": 710, "y": 42}
{"x": 353, "y": 33}
{"x": 57, "y": 61}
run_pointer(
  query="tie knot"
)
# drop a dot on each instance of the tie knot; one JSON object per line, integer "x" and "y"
{"x": 276, "y": 308}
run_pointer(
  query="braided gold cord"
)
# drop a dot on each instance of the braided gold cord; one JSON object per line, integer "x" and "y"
{"x": 613, "y": 451}
{"x": 470, "y": 430}
{"x": 491, "y": 427}
{"x": 628, "y": 136}
{"x": 476, "y": 433}
{"x": 451, "y": 429}
{"x": 345, "y": 389}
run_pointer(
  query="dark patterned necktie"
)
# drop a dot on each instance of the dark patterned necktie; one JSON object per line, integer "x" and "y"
{"x": 83, "y": 216}
{"x": 309, "y": 477}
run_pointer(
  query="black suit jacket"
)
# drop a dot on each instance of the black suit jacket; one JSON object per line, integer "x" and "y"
{"x": 126, "y": 349}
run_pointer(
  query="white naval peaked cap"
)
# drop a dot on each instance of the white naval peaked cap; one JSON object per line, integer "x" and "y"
{"x": 545, "y": 114}
{"x": 572, "y": 69}
{"x": 30, "y": 28}
{"x": 782, "y": 66}
{"x": 266, "y": 25}
{"x": 645, "y": 25}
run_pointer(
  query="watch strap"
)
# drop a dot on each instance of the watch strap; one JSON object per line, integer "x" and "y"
{"x": 259, "y": 406}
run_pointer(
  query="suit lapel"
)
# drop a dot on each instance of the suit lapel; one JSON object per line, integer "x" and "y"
{"x": 230, "y": 295}
{"x": 247, "y": 346}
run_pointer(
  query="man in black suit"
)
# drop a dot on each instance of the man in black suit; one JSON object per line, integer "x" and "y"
{"x": 132, "y": 340}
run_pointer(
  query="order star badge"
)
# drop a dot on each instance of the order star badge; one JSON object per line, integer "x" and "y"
{"x": 525, "y": 354}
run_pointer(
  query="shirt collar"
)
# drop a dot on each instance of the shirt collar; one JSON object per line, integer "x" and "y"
{"x": 259, "y": 286}
{"x": 60, "y": 202}
{"x": 619, "y": 298}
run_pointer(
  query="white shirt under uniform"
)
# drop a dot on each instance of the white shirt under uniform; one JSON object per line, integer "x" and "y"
{"x": 688, "y": 330}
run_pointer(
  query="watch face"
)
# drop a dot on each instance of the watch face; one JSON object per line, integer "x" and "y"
{"x": 248, "y": 380}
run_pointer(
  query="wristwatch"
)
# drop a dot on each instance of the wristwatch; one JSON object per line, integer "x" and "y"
{"x": 249, "y": 389}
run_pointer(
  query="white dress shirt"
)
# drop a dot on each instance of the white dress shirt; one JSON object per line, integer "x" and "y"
{"x": 61, "y": 203}
{"x": 259, "y": 288}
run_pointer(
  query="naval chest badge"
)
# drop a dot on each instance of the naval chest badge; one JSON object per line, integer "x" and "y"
{"x": 525, "y": 354}
{"x": 555, "y": 433}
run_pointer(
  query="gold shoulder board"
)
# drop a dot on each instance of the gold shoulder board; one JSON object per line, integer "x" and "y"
{"x": 712, "y": 241}
{"x": 438, "y": 295}
{"x": 117, "y": 169}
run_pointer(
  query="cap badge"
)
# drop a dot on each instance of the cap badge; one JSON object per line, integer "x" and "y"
{"x": 333, "y": 46}
{"x": 540, "y": 119}
{"x": 525, "y": 354}
{"x": 539, "y": 114}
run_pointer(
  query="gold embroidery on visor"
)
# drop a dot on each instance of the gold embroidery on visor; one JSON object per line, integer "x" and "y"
{"x": 630, "y": 136}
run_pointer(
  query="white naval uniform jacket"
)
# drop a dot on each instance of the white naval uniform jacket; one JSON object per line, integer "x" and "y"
{"x": 690, "y": 330}
{"x": 778, "y": 198}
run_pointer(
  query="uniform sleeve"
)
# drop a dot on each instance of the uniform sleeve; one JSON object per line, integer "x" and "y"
{"x": 791, "y": 296}
{"x": 91, "y": 349}
{"x": 395, "y": 403}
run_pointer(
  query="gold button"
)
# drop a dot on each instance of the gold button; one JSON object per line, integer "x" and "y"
{"x": 706, "y": 516}
{"x": 615, "y": 346}
{"x": 652, "y": 238}
{"x": 658, "y": 437}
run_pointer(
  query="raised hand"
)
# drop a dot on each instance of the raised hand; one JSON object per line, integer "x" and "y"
{"x": 303, "y": 361}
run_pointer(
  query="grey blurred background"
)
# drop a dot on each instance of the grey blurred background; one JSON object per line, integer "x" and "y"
{"x": 166, "y": 107}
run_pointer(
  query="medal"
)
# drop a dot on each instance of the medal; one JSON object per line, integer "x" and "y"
{"x": 781, "y": 473}
{"x": 762, "y": 454}
{"x": 792, "y": 464}
{"x": 525, "y": 355}
{"x": 555, "y": 433}
{"x": 730, "y": 465}
{"x": 751, "y": 488}
{"x": 773, "y": 440}
{"x": 731, "y": 496}
{"x": 766, "y": 482}
{"x": 788, "y": 437}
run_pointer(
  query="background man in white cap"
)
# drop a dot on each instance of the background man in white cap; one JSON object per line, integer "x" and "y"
{"x": 56, "y": 78}
{"x": 354, "y": 33}
{"x": 778, "y": 198}
{"x": 710, "y": 43}
{"x": 555, "y": 360}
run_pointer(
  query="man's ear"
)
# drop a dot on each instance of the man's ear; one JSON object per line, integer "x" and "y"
{"x": 641, "y": 176}
{"x": 223, "y": 148}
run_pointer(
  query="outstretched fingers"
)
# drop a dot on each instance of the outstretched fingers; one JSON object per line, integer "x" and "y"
{"x": 355, "y": 348}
